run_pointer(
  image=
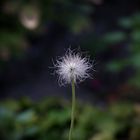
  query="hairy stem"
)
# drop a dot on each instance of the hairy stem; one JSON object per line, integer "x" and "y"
{"x": 73, "y": 109}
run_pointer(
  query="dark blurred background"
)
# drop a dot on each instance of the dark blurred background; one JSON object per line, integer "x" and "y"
{"x": 33, "y": 33}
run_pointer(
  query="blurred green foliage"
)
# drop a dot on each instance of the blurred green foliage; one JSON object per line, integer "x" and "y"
{"x": 49, "y": 119}
{"x": 122, "y": 47}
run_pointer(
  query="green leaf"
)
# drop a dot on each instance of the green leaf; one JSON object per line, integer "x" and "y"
{"x": 26, "y": 117}
{"x": 136, "y": 35}
{"x": 114, "y": 37}
{"x": 126, "y": 23}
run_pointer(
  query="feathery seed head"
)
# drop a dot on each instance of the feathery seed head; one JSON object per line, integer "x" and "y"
{"x": 72, "y": 66}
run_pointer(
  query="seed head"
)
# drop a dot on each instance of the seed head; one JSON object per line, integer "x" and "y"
{"x": 72, "y": 66}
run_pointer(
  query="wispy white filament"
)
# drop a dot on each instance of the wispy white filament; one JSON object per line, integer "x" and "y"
{"x": 72, "y": 66}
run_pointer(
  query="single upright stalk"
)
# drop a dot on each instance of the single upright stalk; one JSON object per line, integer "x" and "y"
{"x": 73, "y": 110}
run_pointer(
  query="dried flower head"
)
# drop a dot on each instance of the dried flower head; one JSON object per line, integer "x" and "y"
{"x": 72, "y": 66}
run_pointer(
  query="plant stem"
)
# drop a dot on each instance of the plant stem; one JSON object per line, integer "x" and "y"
{"x": 73, "y": 109}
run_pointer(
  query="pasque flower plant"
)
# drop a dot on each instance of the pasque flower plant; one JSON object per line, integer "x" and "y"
{"x": 71, "y": 69}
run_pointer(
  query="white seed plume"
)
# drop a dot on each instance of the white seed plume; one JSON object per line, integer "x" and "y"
{"x": 72, "y": 66}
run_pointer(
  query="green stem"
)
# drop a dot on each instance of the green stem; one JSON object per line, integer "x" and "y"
{"x": 73, "y": 109}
